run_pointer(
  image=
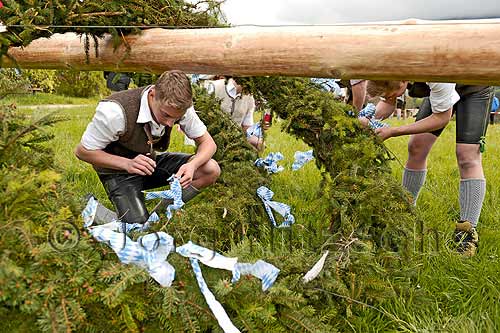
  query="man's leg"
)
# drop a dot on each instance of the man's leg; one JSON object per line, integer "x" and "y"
{"x": 472, "y": 183}
{"x": 415, "y": 170}
{"x": 472, "y": 121}
{"x": 206, "y": 175}
{"x": 125, "y": 192}
{"x": 419, "y": 147}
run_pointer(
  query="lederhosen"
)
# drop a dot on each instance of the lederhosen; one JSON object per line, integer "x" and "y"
{"x": 471, "y": 111}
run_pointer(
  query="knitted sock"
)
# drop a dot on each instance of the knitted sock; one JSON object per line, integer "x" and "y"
{"x": 471, "y": 198}
{"x": 413, "y": 180}
{"x": 189, "y": 193}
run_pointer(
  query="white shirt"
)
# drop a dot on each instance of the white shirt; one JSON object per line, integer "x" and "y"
{"x": 108, "y": 124}
{"x": 244, "y": 105}
{"x": 443, "y": 96}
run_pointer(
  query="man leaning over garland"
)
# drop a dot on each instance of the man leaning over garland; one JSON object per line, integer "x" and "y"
{"x": 128, "y": 128}
{"x": 471, "y": 104}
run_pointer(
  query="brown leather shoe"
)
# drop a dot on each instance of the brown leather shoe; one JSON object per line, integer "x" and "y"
{"x": 466, "y": 238}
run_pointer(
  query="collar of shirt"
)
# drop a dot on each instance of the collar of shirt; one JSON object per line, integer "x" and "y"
{"x": 146, "y": 117}
{"x": 231, "y": 89}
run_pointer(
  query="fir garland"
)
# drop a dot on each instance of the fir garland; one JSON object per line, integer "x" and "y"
{"x": 84, "y": 288}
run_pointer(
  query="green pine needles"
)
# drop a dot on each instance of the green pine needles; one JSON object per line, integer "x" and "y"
{"x": 28, "y": 20}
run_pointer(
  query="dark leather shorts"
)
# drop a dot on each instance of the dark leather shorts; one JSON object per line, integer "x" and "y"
{"x": 125, "y": 190}
{"x": 471, "y": 111}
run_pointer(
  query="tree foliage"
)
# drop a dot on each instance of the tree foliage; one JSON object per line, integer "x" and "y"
{"x": 28, "y": 20}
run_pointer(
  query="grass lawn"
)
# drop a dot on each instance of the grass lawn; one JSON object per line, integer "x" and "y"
{"x": 464, "y": 293}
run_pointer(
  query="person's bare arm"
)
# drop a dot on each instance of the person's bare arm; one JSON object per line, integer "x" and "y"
{"x": 140, "y": 165}
{"x": 385, "y": 108}
{"x": 358, "y": 95}
{"x": 206, "y": 148}
{"x": 434, "y": 122}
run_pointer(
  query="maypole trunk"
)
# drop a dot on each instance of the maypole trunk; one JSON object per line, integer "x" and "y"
{"x": 434, "y": 51}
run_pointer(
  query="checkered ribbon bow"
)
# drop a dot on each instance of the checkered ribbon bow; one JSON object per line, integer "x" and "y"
{"x": 368, "y": 111}
{"x": 149, "y": 252}
{"x": 270, "y": 162}
{"x": 301, "y": 158}
{"x": 375, "y": 123}
{"x": 255, "y": 130}
{"x": 284, "y": 210}
{"x": 175, "y": 194}
{"x": 261, "y": 269}
{"x": 89, "y": 212}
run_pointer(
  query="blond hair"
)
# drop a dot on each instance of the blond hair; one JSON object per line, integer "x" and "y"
{"x": 173, "y": 88}
{"x": 380, "y": 88}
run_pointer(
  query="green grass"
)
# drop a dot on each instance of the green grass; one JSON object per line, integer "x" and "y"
{"x": 45, "y": 99}
{"x": 462, "y": 294}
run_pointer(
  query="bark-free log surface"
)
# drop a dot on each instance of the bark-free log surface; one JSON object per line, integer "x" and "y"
{"x": 440, "y": 52}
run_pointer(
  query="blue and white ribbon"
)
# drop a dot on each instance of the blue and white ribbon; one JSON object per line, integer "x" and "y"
{"x": 195, "y": 78}
{"x": 266, "y": 272}
{"x": 375, "y": 123}
{"x": 262, "y": 270}
{"x": 149, "y": 252}
{"x": 222, "y": 318}
{"x": 206, "y": 256}
{"x": 89, "y": 212}
{"x": 368, "y": 111}
{"x": 284, "y": 210}
{"x": 329, "y": 85}
{"x": 175, "y": 194}
{"x": 255, "y": 130}
{"x": 270, "y": 162}
{"x": 119, "y": 226}
{"x": 301, "y": 158}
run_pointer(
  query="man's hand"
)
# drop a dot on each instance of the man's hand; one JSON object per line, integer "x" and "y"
{"x": 141, "y": 165}
{"x": 185, "y": 174}
{"x": 384, "y": 132}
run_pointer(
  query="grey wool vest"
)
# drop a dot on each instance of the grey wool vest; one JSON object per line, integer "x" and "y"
{"x": 134, "y": 140}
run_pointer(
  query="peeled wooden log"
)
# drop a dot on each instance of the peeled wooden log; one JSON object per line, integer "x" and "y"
{"x": 463, "y": 51}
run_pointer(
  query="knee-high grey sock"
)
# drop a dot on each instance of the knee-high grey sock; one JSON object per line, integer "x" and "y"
{"x": 413, "y": 180}
{"x": 471, "y": 198}
{"x": 187, "y": 194}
